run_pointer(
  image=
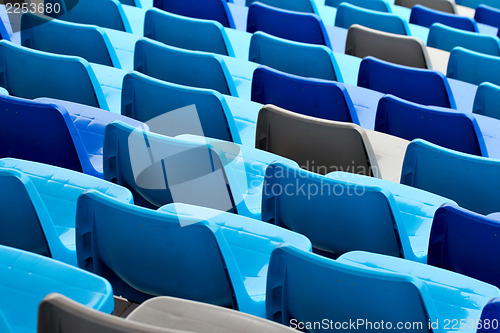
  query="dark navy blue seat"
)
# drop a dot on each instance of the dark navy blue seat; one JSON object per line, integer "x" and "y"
{"x": 426, "y": 17}
{"x": 216, "y": 10}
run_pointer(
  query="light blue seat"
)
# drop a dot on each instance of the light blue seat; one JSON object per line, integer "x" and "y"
{"x": 287, "y": 24}
{"x": 158, "y": 102}
{"x": 27, "y": 278}
{"x": 487, "y": 101}
{"x": 301, "y": 59}
{"x": 186, "y": 32}
{"x": 181, "y": 250}
{"x": 56, "y": 36}
{"x": 426, "y": 17}
{"x": 30, "y": 74}
{"x": 311, "y": 97}
{"x": 304, "y": 6}
{"x": 106, "y": 14}
{"x": 446, "y": 38}
{"x": 39, "y": 206}
{"x": 216, "y": 10}
{"x": 473, "y": 67}
{"x": 395, "y": 219}
{"x": 186, "y": 67}
{"x": 452, "y": 295}
{"x": 200, "y": 171}
{"x": 469, "y": 180}
{"x": 445, "y": 127}
{"x": 475, "y": 3}
{"x": 423, "y": 86}
{"x": 378, "y": 5}
{"x": 348, "y": 15}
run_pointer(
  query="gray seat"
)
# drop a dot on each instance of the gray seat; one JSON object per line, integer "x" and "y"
{"x": 59, "y": 314}
{"x": 398, "y": 49}
{"x": 447, "y": 6}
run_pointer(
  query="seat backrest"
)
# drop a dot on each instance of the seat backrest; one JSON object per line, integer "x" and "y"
{"x": 348, "y": 15}
{"x": 447, "y": 6}
{"x": 379, "y": 5}
{"x": 287, "y": 24}
{"x": 304, "y": 6}
{"x": 186, "y": 67}
{"x": 157, "y": 262}
{"x": 187, "y": 32}
{"x": 490, "y": 314}
{"x": 160, "y": 170}
{"x": 426, "y": 17}
{"x": 58, "y": 313}
{"x": 162, "y": 106}
{"x": 473, "y": 67}
{"x": 487, "y": 100}
{"x": 399, "y": 49}
{"x": 30, "y": 74}
{"x": 469, "y": 180}
{"x": 340, "y": 292}
{"x": 110, "y": 14}
{"x": 417, "y": 85}
{"x": 311, "y": 97}
{"x": 446, "y": 38}
{"x": 56, "y": 36}
{"x": 317, "y": 145}
{"x": 463, "y": 241}
{"x": 487, "y": 15}
{"x": 327, "y": 212}
{"x": 215, "y": 10}
{"x": 302, "y": 59}
{"x": 444, "y": 127}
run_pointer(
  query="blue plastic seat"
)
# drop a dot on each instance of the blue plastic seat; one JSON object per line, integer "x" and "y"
{"x": 446, "y": 38}
{"x": 302, "y": 59}
{"x": 445, "y": 127}
{"x": 487, "y": 100}
{"x": 216, "y": 10}
{"x": 30, "y": 74}
{"x": 4, "y": 33}
{"x": 473, "y": 67}
{"x": 304, "y": 6}
{"x": 186, "y": 67}
{"x": 476, "y": 3}
{"x": 186, "y": 32}
{"x": 378, "y": 5}
{"x": 463, "y": 241}
{"x": 490, "y": 314}
{"x": 287, "y": 24}
{"x": 39, "y": 206}
{"x": 56, "y": 36}
{"x": 423, "y": 86}
{"x": 106, "y": 14}
{"x": 200, "y": 171}
{"x": 348, "y": 15}
{"x": 182, "y": 251}
{"x": 27, "y": 278}
{"x": 158, "y": 102}
{"x": 311, "y": 97}
{"x": 469, "y": 180}
{"x": 426, "y": 17}
{"x": 487, "y": 15}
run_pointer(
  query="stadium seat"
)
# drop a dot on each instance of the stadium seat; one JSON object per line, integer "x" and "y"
{"x": 4, "y": 33}
{"x": 301, "y": 59}
{"x": 216, "y": 10}
{"x": 224, "y": 251}
{"x": 304, "y": 6}
{"x": 444, "y": 127}
{"x": 152, "y": 101}
{"x": 469, "y": 180}
{"x": 311, "y": 97}
{"x": 463, "y": 241}
{"x": 56, "y": 36}
{"x": 476, "y": 3}
{"x": 426, "y": 17}
{"x": 447, "y": 6}
{"x": 395, "y": 219}
{"x": 30, "y": 74}
{"x": 39, "y": 203}
{"x": 487, "y": 100}
{"x": 27, "y": 278}
{"x": 417, "y": 85}
{"x": 379, "y": 5}
{"x": 398, "y": 49}
{"x": 473, "y": 67}
{"x": 287, "y": 24}
{"x": 348, "y": 15}
{"x": 487, "y": 15}
{"x": 490, "y": 315}
{"x": 186, "y": 32}
{"x": 186, "y": 67}
{"x": 446, "y": 38}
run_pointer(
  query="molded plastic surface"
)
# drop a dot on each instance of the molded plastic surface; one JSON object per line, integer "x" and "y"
{"x": 216, "y": 10}
{"x": 473, "y": 67}
{"x": 380, "y": 5}
{"x": 304, "y": 6}
{"x": 487, "y": 100}
{"x": 425, "y": 17}
{"x": 487, "y": 15}
{"x": 447, "y": 6}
